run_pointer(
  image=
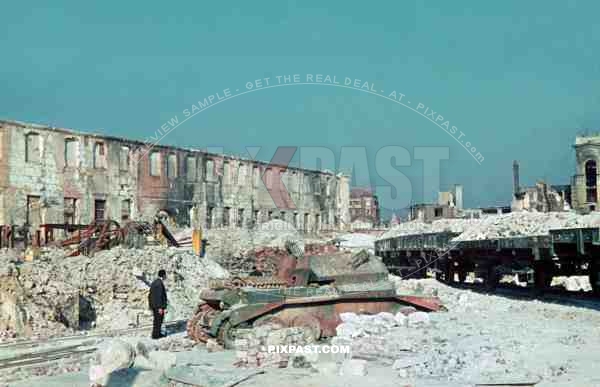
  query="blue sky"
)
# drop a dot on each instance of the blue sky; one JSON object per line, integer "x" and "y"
{"x": 519, "y": 78}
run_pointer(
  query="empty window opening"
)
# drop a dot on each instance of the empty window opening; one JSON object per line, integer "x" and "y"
{"x": 190, "y": 168}
{"x": 124, "y": 158}
{"x": 126, "y": 209}
{"x": 70, "y": 210}
{"x": 99, "y": 155}
{"x": 240, "y": 217}
{"x": 71, "y": 152}
{"x": 154, "y": 164}
{"x": 32, "y": 148}
{"x": 33, "y": 215}
{"x": 172, "y": 166}
{"x": 99, "y": 210}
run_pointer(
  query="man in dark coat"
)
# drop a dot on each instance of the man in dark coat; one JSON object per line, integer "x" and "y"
{"x": 157, "y": 300}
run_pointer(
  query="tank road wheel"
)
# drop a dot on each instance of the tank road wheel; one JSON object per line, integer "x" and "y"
{"x": 310, "y": 323}
{"x": 225, "y": 335}
{"x": 594, "y": 276}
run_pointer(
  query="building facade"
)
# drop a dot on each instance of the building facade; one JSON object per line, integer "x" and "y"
{"x": 364, "y": 206}
{"x": 584, "y": 185}
{"x": 50, "y": 175}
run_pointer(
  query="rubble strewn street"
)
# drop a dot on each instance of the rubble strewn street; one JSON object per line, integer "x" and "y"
{"x": 481, "y": 338}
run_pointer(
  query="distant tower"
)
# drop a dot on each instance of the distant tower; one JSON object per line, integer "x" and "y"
{"x": 458, "y": 196}
{"x": 516, "y": 188}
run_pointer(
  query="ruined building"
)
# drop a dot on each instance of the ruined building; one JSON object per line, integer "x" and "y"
{"x": 541, "y": 197}
{"x": 364, "y": 207}
{"x": 449, "y": 205}
{"x": 584, "y": 186}
{"x": 50, "y": 175}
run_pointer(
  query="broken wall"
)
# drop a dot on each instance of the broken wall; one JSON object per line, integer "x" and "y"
{"x": 57, "y": 175}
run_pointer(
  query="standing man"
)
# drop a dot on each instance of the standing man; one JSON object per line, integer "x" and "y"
{"x": 157, "y": 300}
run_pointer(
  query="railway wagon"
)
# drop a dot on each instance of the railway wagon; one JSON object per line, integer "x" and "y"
{"x": 529, "y": 257}
{"x": 409, "y": 256}
{"x": 535, "y": 259}
{"x": 576, "y": 251}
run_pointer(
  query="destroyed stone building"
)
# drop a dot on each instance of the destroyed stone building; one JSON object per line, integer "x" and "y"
{"x": 584, "y": 185}
{"x": 53, "y": 175}
{"x": 364, "y": 206}
{"x": 449, "y": 205}
{"x": 541, "y": 197}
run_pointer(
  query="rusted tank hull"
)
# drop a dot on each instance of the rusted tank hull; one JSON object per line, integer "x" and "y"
{"x": 322, "y": 314}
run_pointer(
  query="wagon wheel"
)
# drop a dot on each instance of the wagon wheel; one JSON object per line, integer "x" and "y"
{"x": 311, "y": 323}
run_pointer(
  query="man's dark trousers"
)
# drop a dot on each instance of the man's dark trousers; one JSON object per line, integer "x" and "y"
{"x": 157, "y": 323}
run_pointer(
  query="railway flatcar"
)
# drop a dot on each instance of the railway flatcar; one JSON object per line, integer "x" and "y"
{"x": 535, "y": 259}
{"x": 577, "y": 252}
{"x": 410, "y": 256}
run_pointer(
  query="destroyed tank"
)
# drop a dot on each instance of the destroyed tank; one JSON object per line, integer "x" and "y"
{"x": 308, "y": 292}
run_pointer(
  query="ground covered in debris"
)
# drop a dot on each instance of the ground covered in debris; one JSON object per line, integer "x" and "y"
{"x": 58, "y": 295}
{"x": 480, "y": 339}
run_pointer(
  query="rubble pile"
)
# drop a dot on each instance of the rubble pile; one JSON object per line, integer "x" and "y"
{"x": 419, "y": 227}
{"x": 474, "y": 342}
{"x": 376, "y": 336}
{"x": 240, "y": 250}
{"x": 520, "y": 224}
{"x": 320, "y": 249}
{"x": 357, "y": 241}
{"x": 265, "y": 258}
{"x": 239, "y": 242}
{"x": 34, "y": 300}
{"x": 108, "y": 291}
{"x": 115, "y": 282}
{"x": 251, "y": 346}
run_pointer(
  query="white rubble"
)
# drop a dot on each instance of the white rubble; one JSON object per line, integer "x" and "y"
{"x": 525, "y": 223}
{"x": 106, "y": 291}
{"x": 418, "y": 318}
{"x": 353, "y": 367}
{"x": 110, "y": 356}
{"x": 419, "y": 227}
{"x": 357, "y": 241}
{"x": 400, "y": 319}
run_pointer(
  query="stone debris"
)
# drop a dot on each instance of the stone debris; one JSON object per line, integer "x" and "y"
{"x": 58, "y": 294}
{"x": 353, "y": 367}
{"x": 357, "y": 241}
{"x": 252, "y": 346}
{"x": 239, "y": 250}
{"x": 524, "y": 223}
{"x": 513, "y": 224}
{"x": 327, "y": 368}
{"x": 573, "y": 283}
{"x": 419, "y": 227}
{"x": 111, "y": 356}
{"x": 417, "y": 319}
